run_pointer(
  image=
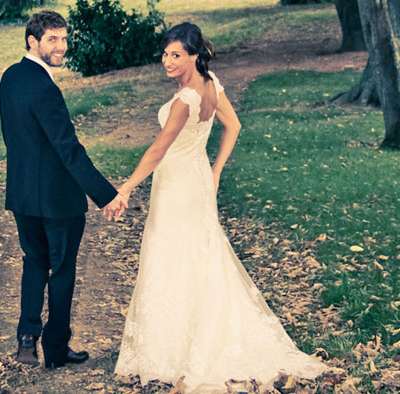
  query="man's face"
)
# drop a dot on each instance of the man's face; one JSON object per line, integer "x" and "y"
{"x": 52, "y": 46}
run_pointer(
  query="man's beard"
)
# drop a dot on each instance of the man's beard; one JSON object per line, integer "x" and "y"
{"x": 47, "y": 59}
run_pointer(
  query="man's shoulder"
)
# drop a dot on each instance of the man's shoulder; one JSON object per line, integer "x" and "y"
{"x": 27, "y": 74}
{"x": 8, "y": 72}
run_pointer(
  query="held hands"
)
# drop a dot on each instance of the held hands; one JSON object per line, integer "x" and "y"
{"x": 116, "y": 207}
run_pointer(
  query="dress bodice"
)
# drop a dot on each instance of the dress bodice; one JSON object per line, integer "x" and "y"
{"x": 192, "y": 139}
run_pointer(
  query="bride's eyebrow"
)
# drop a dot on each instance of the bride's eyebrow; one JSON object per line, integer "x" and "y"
{"x": 174, "y": 52}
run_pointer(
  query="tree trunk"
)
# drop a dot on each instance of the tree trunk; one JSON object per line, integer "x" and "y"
{"x": 365, "y": 92}
{"x": 381, "y": 26}
{"x": 349, "y": 17}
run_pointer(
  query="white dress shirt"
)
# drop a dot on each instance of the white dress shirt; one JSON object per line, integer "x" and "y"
{"x": 40, "y": 62}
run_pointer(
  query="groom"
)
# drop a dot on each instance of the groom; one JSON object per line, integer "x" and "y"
{"x": 48, "y": 177}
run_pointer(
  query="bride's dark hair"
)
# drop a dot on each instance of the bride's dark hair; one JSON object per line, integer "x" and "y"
{"x": 189, "y": 35}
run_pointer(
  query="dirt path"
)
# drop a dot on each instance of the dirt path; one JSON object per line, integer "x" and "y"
{"x": 108, "y": 260}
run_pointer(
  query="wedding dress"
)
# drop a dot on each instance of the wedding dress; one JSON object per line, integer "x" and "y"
{"x": 195, "y": 311}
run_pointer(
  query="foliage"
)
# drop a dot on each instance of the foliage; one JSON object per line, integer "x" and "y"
{"x": 14, "y": 9}
{"x": 104, "y": 37}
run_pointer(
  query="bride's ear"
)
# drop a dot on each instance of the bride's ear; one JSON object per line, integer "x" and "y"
{"x": 194, "y": 58}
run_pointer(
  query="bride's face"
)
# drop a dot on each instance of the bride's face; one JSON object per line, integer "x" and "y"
{"x": 177, "y": 61}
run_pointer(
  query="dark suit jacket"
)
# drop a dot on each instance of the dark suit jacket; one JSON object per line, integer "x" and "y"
{"x": 48, "y": 170}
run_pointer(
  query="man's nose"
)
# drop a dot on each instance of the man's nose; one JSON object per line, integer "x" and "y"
{"x": 62, "y": 45}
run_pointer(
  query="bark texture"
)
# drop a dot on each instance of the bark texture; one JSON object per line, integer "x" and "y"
{"x": 381, "y": 25}
{"x": 365, "y": 92}
{"x": 350, "y": 23}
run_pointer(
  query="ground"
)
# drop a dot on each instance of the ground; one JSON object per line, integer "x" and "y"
{"x": 108, "y": 260}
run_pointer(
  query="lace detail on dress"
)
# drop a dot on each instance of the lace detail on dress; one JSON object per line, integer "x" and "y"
{"x": 195, "y": 311}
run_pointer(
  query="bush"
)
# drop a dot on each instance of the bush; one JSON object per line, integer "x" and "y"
{"x": 104, "y": 37}
{"x": 15, "y": 9}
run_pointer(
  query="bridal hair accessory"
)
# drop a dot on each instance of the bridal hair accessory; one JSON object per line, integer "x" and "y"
{"x": 209, "y": 46}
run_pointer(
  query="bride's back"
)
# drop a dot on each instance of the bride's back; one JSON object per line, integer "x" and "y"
{"x": 209, "y": 100}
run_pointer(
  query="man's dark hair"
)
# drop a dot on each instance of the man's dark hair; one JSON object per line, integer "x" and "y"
{"x": 40, "y": 22}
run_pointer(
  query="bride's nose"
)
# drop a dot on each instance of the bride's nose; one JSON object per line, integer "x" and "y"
{"x": 166, "y": 60}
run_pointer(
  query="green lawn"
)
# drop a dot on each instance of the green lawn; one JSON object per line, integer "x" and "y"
{"x": 312, "y": 170}
{"x": 12, "y": 45}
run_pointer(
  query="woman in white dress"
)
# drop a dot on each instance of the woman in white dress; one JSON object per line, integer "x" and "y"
{"x": 195, "y": 316}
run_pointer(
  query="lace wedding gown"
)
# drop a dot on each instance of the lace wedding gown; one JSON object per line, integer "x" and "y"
{"x": 195, "y": 312}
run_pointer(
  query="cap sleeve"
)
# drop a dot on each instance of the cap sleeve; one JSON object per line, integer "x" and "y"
{"x": 218, "y": 87}
{"x": 192, "y": 99}
{"x": 188, "y": 96}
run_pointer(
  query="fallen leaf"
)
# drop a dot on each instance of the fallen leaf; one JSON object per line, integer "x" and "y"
{"x": 377, "y": 265}
{"x": 396, "y": 345}
{"x": 382, "y": 257}
{"x": 321, "y": 237}
{"x": 356, "y": 248}
{"x": 95, "y": 386}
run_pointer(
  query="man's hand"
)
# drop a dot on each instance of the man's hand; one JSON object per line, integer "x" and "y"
{"x": 116, "y": 207}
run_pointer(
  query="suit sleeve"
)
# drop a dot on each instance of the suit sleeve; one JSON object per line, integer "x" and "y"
{"x": 52, "y": 114}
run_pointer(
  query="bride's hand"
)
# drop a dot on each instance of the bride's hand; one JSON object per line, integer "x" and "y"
{"x": 125, "y": 193}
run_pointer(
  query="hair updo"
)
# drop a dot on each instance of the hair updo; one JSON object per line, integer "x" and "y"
{"x": 189, "y": 35}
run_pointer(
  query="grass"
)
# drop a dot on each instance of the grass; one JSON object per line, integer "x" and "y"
{"x": 176, "y": 6}
{"x": 312, "y": 170}
{"x": 83, "y": 102}
{"x": 115, "y": 162}
{"x": 226, "y": 23}
{"x": 2, "y": 150}
{"x": 12, "y": 45}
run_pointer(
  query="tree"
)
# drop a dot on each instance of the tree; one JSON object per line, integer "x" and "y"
{"x": 365, "y": 92}
{"x": 14, "y": 9}
{"x": 381, "y": 26}
{"x": 350, "y": 23}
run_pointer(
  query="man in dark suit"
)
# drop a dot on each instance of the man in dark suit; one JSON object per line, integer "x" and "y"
{"x": 48, "y": 177}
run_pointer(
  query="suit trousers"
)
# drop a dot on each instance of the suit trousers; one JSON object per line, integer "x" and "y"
{"x": 50, "y": 247}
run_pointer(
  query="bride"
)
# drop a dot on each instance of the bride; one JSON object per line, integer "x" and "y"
{"x": 195, "y": 316}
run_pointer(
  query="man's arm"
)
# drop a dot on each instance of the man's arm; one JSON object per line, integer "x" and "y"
{"x": 52, "y": 114}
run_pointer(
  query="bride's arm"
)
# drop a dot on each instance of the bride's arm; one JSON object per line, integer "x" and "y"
{"x": 227, "y": 116}
{"x": 178, "y": 116}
